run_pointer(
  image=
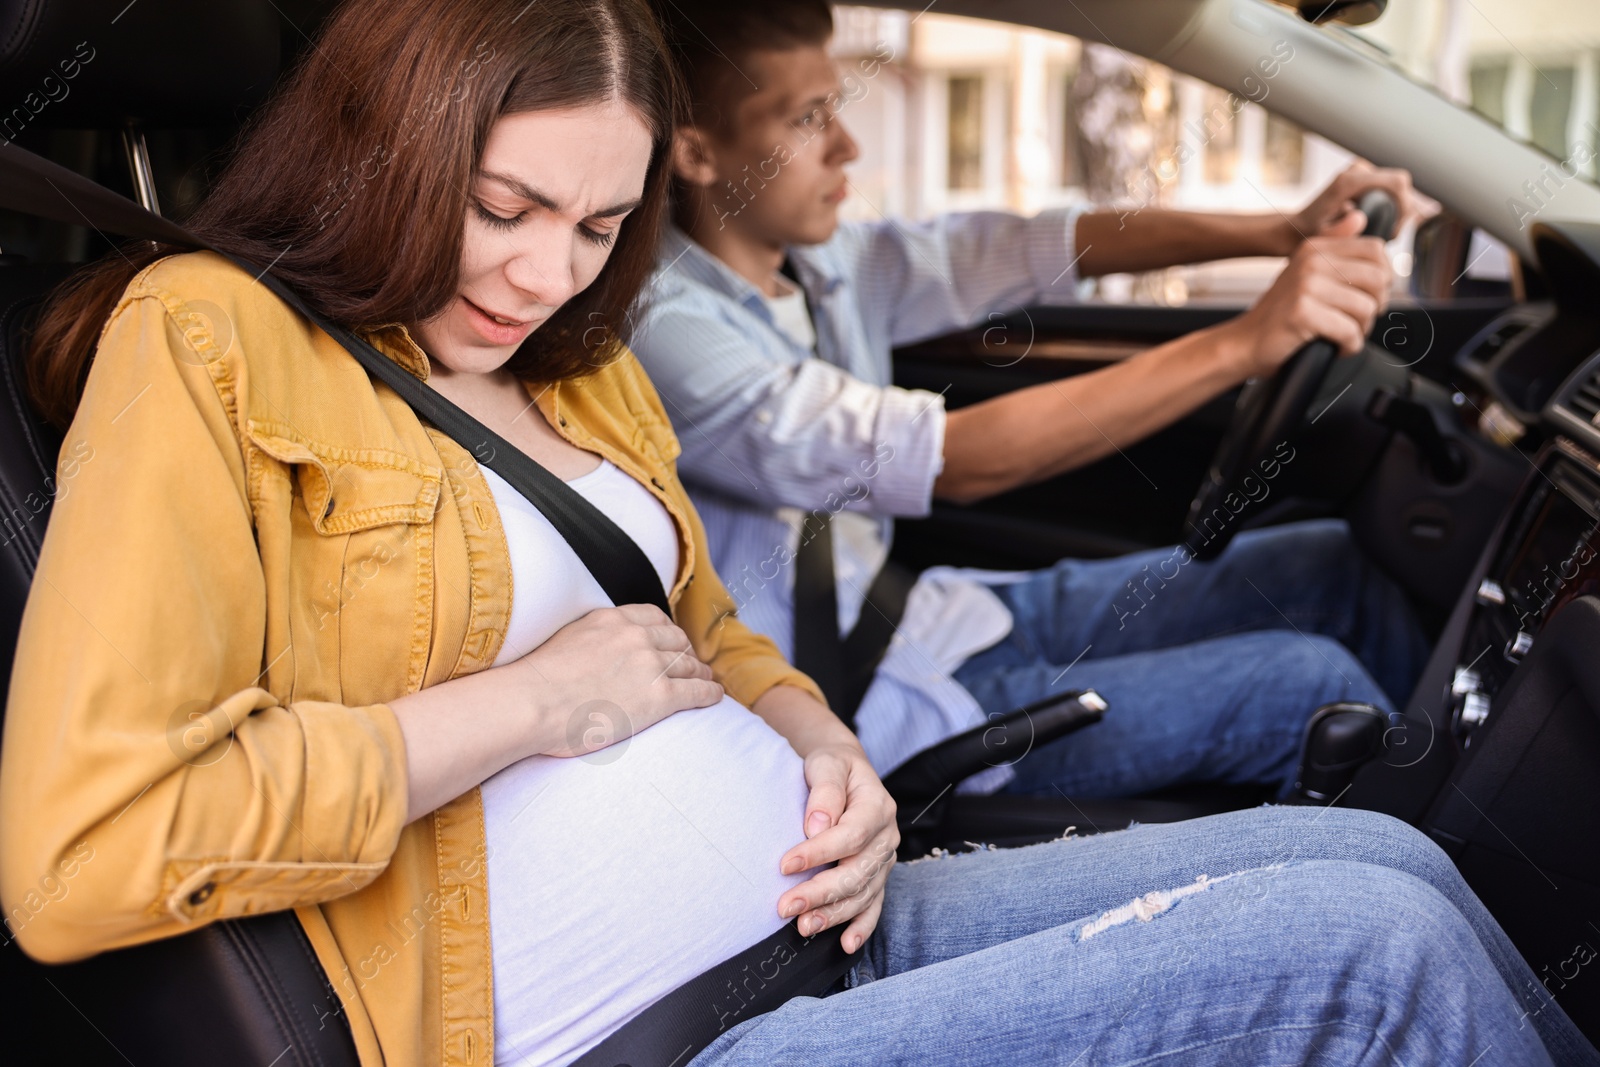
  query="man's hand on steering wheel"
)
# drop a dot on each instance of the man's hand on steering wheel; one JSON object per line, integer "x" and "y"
{"x": 1323, "y": 303}
{"x": 1332, "y": 206}
{"x": 1334, "y": 286}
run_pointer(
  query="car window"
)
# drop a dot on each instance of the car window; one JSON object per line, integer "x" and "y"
{"x": 958, "y": 113}
{"x": 1532, "y": 67}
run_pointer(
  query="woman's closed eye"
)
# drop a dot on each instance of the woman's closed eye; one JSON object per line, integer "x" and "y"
{"x": 497, "y": 221}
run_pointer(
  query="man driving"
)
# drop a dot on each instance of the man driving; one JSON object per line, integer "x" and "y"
{"x": 768, "y": 330}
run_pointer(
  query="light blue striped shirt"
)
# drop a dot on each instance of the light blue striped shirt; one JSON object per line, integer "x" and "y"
{"x": 771, "y": 427}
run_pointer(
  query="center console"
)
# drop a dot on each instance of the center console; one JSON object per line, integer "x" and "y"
{"x": 1497, "y": 755}
{"x": 1548, "y": 557}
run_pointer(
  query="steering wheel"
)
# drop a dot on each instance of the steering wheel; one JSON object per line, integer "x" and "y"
{"x": 1268, "y": 411}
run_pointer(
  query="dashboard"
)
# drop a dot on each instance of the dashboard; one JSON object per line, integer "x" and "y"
{"x": 1527, "y": 359}
{"x": 1548, "y": 557}
{"x": 1506, "y": 775}
{"x": 1539, "y": 367}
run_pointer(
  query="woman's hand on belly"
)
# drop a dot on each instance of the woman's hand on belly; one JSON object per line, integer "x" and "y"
{"x": 630, "y": 663}
{"x": 596, "y": 681}
{"x": 850, "y": 818}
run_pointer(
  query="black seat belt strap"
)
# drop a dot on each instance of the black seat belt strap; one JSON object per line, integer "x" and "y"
{"x": 615, "y": 559}
{"x": 816, "y": 612}
{"x": 676, "y": 1028}
{"x": 842, "y": 668}
{"x": 881, "y": 611}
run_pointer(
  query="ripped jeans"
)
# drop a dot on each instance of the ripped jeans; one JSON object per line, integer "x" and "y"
{"x": 1211, "y": 669}
{"x": 1268, "y": 936}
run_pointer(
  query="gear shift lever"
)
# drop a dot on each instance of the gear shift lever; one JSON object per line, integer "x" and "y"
{"x": 1338, "y": 740}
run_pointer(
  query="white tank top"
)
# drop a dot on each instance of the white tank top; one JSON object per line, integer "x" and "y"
{"x": 617, "y": 877}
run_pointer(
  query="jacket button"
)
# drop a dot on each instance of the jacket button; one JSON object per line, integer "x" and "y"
{"x": 657, "y": 483}
{"x": 329, "y": 509}
{"x": 562, "y": 419}
{"x": 203, "y": 894}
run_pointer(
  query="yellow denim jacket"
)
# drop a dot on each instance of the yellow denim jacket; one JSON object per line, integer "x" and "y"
{"x": 252, "y": 548}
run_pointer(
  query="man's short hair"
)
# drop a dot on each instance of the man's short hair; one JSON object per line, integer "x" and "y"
{"x": 711, "y": 42}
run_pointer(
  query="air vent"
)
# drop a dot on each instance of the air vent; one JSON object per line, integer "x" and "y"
{"x": 1585, "y": 399}
{"x": 1491, "y": 345}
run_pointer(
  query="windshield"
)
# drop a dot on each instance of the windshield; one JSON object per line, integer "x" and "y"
{"x": 1532, "y": 67}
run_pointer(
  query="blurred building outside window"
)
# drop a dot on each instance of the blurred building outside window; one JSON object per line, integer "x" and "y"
{"x": 969, "y": 114}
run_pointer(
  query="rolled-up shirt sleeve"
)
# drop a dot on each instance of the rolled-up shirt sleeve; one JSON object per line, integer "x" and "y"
{"x": 150, "y": 782}
{"x": 761, "y": 423}
{"x": 952, "y": 271}
{"x": 779, "y": 431}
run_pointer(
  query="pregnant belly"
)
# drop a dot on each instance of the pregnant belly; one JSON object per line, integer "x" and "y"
{"x": 616, "y": 878}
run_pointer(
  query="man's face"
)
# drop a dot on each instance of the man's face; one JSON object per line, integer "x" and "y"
{"x": 785, "y": 151}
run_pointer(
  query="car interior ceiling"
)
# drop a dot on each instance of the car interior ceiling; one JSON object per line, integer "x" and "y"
{"x": 1495, "y": 534}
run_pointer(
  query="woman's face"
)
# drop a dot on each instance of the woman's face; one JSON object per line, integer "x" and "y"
{"x": 544, "y": 210}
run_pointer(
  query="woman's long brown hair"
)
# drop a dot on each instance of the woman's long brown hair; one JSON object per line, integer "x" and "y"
{"x": 353, "y": 181}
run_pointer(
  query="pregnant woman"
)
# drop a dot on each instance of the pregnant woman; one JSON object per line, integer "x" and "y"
{"x": 291, "y": 648}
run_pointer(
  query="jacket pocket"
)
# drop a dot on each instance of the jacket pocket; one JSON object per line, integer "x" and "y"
{"x": 357, "y": 585}
{"x": 347, "y": 489}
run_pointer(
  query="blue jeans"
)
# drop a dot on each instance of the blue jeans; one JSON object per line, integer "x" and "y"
{"x": 1319, "y": 936}
{"x": 1210, "y": 669}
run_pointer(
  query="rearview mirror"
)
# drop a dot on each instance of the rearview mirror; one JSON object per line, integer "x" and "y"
{"x": 1348, "y": 12}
